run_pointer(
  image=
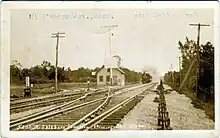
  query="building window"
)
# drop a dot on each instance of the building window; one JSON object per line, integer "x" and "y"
{"x": 115, "y": 80}
{"x": 108, "y": 70}
{"x": 108, "y": 78}
{"x": 101, "y": 78}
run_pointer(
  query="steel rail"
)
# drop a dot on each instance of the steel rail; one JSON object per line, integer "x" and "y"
{"x": 77, "y": 125}
{"x": 57, "y": 100}
{"x": 37, "y": 117}
{"x": 17, "y": 122}
{"x": 49, "y": 96}
{"x": 45, "y": 114}
{"x": 96, "y": 120}
{"x": 113, "y": 110}
{"x": 43, "y": 102}
{"x": 88, "y": 115}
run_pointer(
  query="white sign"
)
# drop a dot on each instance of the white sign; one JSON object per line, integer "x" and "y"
{"x": 110, "y": 62}
{"x": 93, "y": 73}
{"x": 27, "y": 79}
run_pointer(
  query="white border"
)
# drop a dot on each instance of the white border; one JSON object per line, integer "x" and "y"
{"x": 5, "y": 62}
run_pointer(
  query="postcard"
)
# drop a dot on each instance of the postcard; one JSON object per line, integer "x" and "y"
{"x": 110, "y": 69}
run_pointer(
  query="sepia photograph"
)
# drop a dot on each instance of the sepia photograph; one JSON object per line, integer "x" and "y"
{"x": 112, "y": 69}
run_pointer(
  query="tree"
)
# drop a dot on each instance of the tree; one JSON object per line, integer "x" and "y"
{"x": 15, "y": 72}
{"x": 206, "y": 74}
{"x": 16, "y": 64}
{"x": 131, "y": 76}
{"x": 45, "y": 73}
{"x": 206, "y": 78}
{"x": 45, "y": 66}
{"x": 24, "y": 73}
{"x": 188, "y": 52}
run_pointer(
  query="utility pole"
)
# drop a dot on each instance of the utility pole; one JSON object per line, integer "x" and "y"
{"x": 57, "y": 36}
{"x": 187, "y": 74}
{"x": 172, "y": 78}
{"x": 197, "y": 52}
{"x": 180, "y": 69}
{"x": 110, "y": 48}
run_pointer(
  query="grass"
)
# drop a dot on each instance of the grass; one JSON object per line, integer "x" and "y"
{"x": 16, "y": 91}
{"x": 35, "y": 91}
{"x": 70, "y": 86}
{"x": 43, "y": 89}
{"x": 208, "y": 107}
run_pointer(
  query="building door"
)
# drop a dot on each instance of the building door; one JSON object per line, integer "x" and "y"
{"x": 115, "y": 80}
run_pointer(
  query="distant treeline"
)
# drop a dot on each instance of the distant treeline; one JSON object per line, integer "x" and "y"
{"x": 45, "y": 73}
{"x": 206, "y": 69}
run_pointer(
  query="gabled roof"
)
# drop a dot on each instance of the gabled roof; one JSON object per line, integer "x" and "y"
{"x": 119, "y": 69}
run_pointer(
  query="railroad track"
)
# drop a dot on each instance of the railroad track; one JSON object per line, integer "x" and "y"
{"x": 63, "y": 108}
{"x": 47, "y": 97}
{"x": 109, "y": 119}
{"x": 101, "y": 119}
{"x": 26, "y": 122}
{"x": 25, "y": 104}
{"x": 19, "y": 106}
{"x": 25, "y": 107}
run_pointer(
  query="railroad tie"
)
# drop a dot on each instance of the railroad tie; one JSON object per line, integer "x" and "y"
{"x": 159, "y": 118}
{"x": 100, "y": 109}
{"x": 87, "y": 120}
{"x": 104, "y": 105}
{"x": 96, "y": 113}
{"x": 92, "y": 116}
{"x": 163, "y": 120}
{"x": 168, "y": 124}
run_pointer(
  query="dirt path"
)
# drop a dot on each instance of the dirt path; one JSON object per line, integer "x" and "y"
{"x": 182, "y": 114}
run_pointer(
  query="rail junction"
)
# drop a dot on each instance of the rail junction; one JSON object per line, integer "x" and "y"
{"x": 100, "y": 109}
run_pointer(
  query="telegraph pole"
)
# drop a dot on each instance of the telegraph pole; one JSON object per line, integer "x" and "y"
{"x": 180, "y": 69}
{"x": 110, "y": 49}
{"x": 57, "y": 36}
{"x": 172, "y": 78}
{"x": 197, "y": 52}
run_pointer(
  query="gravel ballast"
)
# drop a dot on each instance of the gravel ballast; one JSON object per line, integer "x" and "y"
{"x": 182, "y": 114}
{"x": 142, "y": 117}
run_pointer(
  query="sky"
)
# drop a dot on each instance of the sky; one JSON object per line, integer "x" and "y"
{"x": 143, "y": 38}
